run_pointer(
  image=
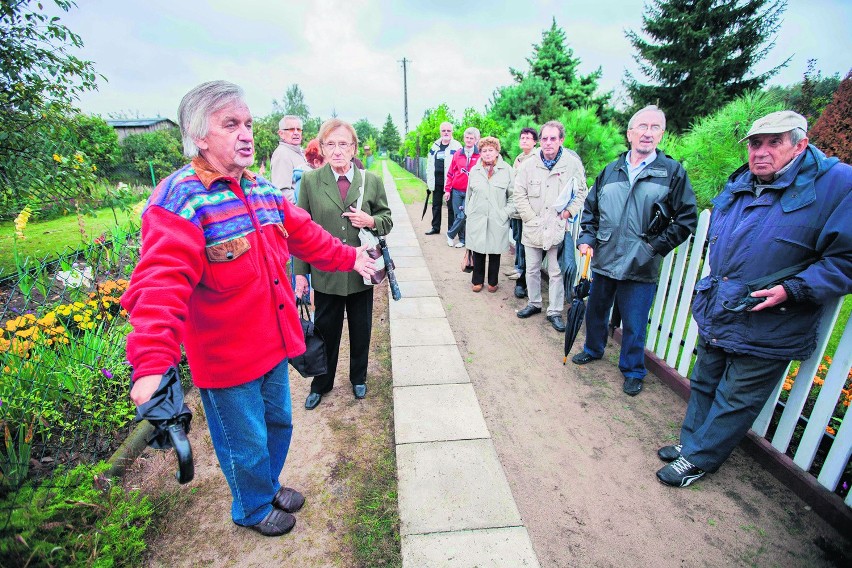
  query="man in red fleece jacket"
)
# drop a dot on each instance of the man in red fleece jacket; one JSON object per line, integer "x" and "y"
{"x": 212, "y": 276}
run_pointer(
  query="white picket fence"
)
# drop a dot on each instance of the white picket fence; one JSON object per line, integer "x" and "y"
{"x": 672, "y": 323}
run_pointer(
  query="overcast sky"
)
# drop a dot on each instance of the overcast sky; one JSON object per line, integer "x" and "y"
{"x": 345, "y": 54}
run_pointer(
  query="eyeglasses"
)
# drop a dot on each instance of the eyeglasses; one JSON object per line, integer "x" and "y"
{"x": 330, "y": 146}
{"x": 450, "y": 131}
{"x": 296, "y": 129}
{"x": 655, "y": 128}
{"x": 549, "y": 139}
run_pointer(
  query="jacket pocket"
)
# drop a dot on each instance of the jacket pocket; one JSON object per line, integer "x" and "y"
{"x": 230, "y": 265}
{"x": 603, "y": 235}
{"x": 534, "y": 189}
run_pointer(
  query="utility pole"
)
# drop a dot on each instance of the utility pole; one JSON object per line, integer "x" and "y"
{"x": 405, "y": 63}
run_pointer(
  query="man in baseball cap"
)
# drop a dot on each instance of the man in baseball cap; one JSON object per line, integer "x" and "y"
{"x": 784, "y": 220}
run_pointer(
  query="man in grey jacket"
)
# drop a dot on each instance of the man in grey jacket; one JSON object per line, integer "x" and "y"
{"x": 440, "y": 155}
{"x": 627, "y": 248}
{"x": 288, "y": 157}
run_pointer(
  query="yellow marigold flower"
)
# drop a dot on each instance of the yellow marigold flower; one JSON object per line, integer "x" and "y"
{"x": 78, "y": 318}
{"x": 57, "y": 158}
{"x": 78, "y": 157}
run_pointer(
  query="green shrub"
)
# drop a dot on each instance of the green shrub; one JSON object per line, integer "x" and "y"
{"x": 162, "y": 148}
{"x": 597, "y": 143}
{"x": 81, "y": 519}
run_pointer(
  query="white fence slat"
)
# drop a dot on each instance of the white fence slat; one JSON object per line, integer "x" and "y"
{"x": 696, "y": 252}
{"x": 691, "y": 336}
{"x": 825, "y": 403}
{"x": 804, "y": 380}
{"x": 837, "y": 458}
{"x": 659, "y": 301}
{"x": 761, "y": 423}
{"x": 671, "y": 301}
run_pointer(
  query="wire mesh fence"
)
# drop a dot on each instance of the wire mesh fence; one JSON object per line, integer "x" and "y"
{"x": 64, "y": 378}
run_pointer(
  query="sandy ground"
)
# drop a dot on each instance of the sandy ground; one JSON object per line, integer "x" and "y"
{"x": 580, "y": 455}
{"x": 198, "y": 530}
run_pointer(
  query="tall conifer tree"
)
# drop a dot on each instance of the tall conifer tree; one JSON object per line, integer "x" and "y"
{"x": 700, "y": 54}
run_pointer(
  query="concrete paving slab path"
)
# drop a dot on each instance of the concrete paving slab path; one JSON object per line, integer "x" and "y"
{"x": 455, "y": 504}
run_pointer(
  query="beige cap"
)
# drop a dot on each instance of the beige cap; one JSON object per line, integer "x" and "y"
{"x": 777, "y": 122}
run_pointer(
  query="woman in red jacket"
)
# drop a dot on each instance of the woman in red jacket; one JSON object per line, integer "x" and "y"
{"x": 456, "y": 185}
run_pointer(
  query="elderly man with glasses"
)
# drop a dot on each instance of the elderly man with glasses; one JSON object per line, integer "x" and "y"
{"x": 288, "y": 156}
{"x": 330, "y": 195}
{"x": 440, "y": 155}
{"x": 627, "y": 248}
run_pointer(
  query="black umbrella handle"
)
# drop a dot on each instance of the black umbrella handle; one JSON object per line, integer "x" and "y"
{"x": 186, "y": 467}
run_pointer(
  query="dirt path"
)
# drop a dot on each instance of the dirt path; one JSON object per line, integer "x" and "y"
{"x": 580, "y": 455}
{"x": 197, "y": 530}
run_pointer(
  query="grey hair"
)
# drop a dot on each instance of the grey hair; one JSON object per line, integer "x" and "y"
{"x": 473, "y": 130}
{"x": 196, "y": 107}
{"x": 653, "y": 108}
{"x": 553, "y": 124}
{"x": 284, "y": 120}
{"x": 797, "y": 135}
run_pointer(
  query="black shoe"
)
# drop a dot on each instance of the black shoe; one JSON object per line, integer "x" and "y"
{"x": 360, "y": 391}
{"x": 669, "y": 453}
{"x": 520, "y": 291}
{"x": 680, "y": 473}
{"x": 276, "y": 523}
{"x": 557, "y": 323}
{"x": 432, "y": 232}
{"x": 582, "y": 358}
{"x": 530, "y": 310}
{"x": 632, "y": 386}
{"x": 313, "y": 400}
{"x": 288, "y": 499}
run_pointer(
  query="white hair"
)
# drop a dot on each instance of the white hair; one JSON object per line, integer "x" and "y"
{"x": 196, "y": 107}
{"x": 652, "y": 108}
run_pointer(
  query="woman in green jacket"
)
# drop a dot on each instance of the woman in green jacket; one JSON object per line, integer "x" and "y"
{"x": 330, "y": 194}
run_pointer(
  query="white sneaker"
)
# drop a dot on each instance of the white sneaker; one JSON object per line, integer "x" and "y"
{"x": 449, "y": 242}
{"x": 514, "y": 275}
{"x": 459, "y": 245}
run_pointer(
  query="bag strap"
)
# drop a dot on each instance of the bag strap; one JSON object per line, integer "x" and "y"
{"x": 361, "y": 189}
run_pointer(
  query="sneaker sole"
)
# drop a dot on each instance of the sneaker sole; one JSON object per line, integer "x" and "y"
{"x": 685, "y": 482}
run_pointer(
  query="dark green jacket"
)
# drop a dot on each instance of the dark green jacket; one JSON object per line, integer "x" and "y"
{"x": 320, "y": 197}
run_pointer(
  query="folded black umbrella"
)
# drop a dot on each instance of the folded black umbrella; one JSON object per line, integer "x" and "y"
{"x": 577, "y": 311}
{"x": 425, "y": 204}
{"x": 170, "y": 417}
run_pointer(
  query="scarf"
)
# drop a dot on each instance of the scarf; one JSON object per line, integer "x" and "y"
{"x": 550, "y": 163}
{"x": 489, "y": 168}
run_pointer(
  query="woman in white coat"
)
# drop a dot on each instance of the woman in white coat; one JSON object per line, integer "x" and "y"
{"x": 487, "y": 206}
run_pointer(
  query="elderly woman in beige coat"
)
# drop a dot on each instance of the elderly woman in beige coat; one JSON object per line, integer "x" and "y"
{"x": 487, "y": 206}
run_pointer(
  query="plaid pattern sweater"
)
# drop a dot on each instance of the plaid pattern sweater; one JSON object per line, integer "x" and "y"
{"x": 212, "y": 276}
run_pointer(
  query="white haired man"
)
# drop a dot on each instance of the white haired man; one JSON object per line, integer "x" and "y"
{"x": 627, "y": 249}
{"x": 212, "y": 277}
{"x": 288, "y": 156}
{"x": 440, "y": 155}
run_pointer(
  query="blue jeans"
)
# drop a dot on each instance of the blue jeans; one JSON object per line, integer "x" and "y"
{"x": 634, "y": 302}
{"x": 251, "y": 426}
{"x": 457, "y": 228}
{"x": 520, "y": 259}
{"x": 727, "y": 393}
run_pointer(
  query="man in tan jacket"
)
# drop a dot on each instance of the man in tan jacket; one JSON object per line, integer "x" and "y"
{"x": 540, "y": 181}
{"x": 288, "y": 156}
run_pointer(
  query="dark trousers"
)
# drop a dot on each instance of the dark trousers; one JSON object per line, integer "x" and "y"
{"x": 438, "y": 204}
{"x": 458, "y": 221}
{"x": 727, "y": 393}
{"x": 479, "y": 268}
{"x": 634, "y": 300}
{"x": 517, "y": 227}
{"x": 328, "y": 319}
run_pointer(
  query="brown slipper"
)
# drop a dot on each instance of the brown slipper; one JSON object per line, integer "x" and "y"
{"x": 288, "y": 499}
{"x": 492, "y": 289}
{"x": 276, "y": 523}
{"x": 476, "y": 287}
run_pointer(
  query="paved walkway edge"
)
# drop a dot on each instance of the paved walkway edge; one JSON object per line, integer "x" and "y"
{"x": 455, "y": 505}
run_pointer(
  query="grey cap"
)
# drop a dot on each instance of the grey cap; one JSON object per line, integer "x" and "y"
{"x": 776, "y": 123}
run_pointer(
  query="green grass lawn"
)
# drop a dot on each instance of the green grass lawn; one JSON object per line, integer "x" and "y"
{"x": 49, "y": 238}
{"x": 411, "y": 188}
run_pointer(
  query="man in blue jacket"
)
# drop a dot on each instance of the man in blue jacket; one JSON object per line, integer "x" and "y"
{"x": 790, "y": 206}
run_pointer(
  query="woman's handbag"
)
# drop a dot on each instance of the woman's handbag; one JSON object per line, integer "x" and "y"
{"x": 313, "y": 361}
{"x": 467, "y": 261}
{"x": 367, "y": 237}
